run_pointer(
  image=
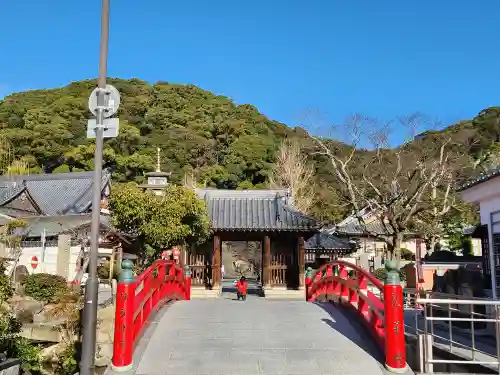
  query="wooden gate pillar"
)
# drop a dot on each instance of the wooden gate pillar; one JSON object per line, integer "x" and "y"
{"x": 266, "y": 262}
{"x": 216, "y": 261}
{"x": 301, "y": 260}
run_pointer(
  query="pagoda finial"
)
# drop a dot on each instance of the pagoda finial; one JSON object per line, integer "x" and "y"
{"x": 158, "y": 169}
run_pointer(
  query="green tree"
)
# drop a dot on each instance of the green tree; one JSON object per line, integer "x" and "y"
{"x": 178, "y": 217}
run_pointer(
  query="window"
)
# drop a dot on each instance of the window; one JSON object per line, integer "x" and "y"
{"x": 496, "y": 256}
{"x": 485, "y": 249}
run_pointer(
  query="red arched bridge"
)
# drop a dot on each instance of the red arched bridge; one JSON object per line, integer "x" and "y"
{"x": 259, "y": 336}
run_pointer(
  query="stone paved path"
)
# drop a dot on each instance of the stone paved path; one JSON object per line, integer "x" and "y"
{"x": 258, "y": 336}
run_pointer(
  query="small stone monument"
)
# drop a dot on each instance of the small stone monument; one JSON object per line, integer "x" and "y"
{"x": 20, "y": 274}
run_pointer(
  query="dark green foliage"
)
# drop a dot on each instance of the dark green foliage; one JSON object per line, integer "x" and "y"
{"x": 467, "y": 247}
{"x": 219, "y": 143}
{"x": 44, "y": 287}
{"x": 10, "y": 327}
{"x": 441, "y": 256}
{"x": 67, "y": 363}
{"x": 406, "y": 254}
{"x": 380, "y": 274}
{"x": 103, "y": 271}
{"x": 222, "y": 142}
{"x": 6, "y": 290}
{"x": 177, "y": 218}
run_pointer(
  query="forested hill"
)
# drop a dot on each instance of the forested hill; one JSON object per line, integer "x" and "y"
{"x": 223, "y": 144}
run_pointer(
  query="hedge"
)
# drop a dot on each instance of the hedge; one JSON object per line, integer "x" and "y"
{"x": 44, "y": 287}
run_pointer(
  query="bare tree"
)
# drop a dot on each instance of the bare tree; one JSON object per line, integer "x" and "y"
{"x": 431, "y": 222}
{"x": 392, "y": 183}
{"x": 292, "y": 171}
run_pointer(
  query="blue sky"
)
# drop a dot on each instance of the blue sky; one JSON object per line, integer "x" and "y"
{"x": 286, "y": 57}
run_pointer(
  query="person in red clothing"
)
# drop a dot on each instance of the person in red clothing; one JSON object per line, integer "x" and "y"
{"x": 241, "y": 288}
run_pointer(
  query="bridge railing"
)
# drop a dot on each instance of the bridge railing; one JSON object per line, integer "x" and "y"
{"x": 380, "y": 306}
{"x": 137, "y": 299}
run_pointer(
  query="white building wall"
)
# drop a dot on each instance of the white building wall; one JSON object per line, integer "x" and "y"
{"x": 47, "y": 263}
{"x": 487, "y": 195}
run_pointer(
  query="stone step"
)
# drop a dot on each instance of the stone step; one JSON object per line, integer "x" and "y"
{"x": 202, "y": 293}
{"x": 285, "y": 294}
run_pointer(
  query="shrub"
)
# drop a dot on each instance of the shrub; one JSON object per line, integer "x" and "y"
{"x": 67, "y": 363}
{"x": 28, "y": 353}
{"x": 441, "y": 256}
{"x": 6, "y": 290}
{"x": 10, "y": 341}
{"x": 406, "y": 254}
{"x": 103, "y": 271}
{"x": 468, "y": 249}
{"x": 44, "y": 287}
{"x": 381, "y": 272}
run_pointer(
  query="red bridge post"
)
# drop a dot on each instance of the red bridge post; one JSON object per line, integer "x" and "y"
{"x": 187, "y": 282}
{"x": 395, "y": 347}
{"x": 123, "y": 345}
{"x": 308, "y": 281}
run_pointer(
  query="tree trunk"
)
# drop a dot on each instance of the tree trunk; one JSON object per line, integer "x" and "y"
{"x": 431, "y": 244}
{"x": 396, "y": 251}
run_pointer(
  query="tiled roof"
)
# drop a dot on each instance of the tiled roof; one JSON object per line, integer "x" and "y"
{"x": 480, "y": 179}
{"x": 9, "y": 192}
{"x": 354, "y": 227}
{"x": 54, "y": 194}
{"x": 327, "y": 241}
{"x": 253, "y": 210}
{"x": 351, "y": 225}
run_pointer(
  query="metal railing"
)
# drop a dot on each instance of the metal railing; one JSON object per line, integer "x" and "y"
{"x": 466, "y": 329}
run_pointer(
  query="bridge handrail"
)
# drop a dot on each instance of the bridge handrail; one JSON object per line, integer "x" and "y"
{"x": 379, "y": 312}
{"x": 153, "y": 288}
{"x": 353, "y": 292}
{"x": 376, "y": 282}
{"x": 160, "y": 283}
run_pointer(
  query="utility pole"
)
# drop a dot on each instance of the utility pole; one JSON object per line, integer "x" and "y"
{"x": 92, "y": 284}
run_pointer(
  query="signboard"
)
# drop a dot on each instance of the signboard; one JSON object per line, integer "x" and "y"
{"x": 112, "y": 100}
{"x": 111, "y": 128}
{"x": 34, "y": 262}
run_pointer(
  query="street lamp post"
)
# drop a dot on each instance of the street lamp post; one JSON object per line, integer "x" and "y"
{"x": 92, "y": 284}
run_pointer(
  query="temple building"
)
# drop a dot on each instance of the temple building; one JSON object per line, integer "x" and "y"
{"x": 55, "y": 210}
{"x": 264, "y": 216}
{"x": 282, "y": 238}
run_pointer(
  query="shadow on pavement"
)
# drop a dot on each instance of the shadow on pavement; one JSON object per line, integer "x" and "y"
{"x": 348, "y": 325}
